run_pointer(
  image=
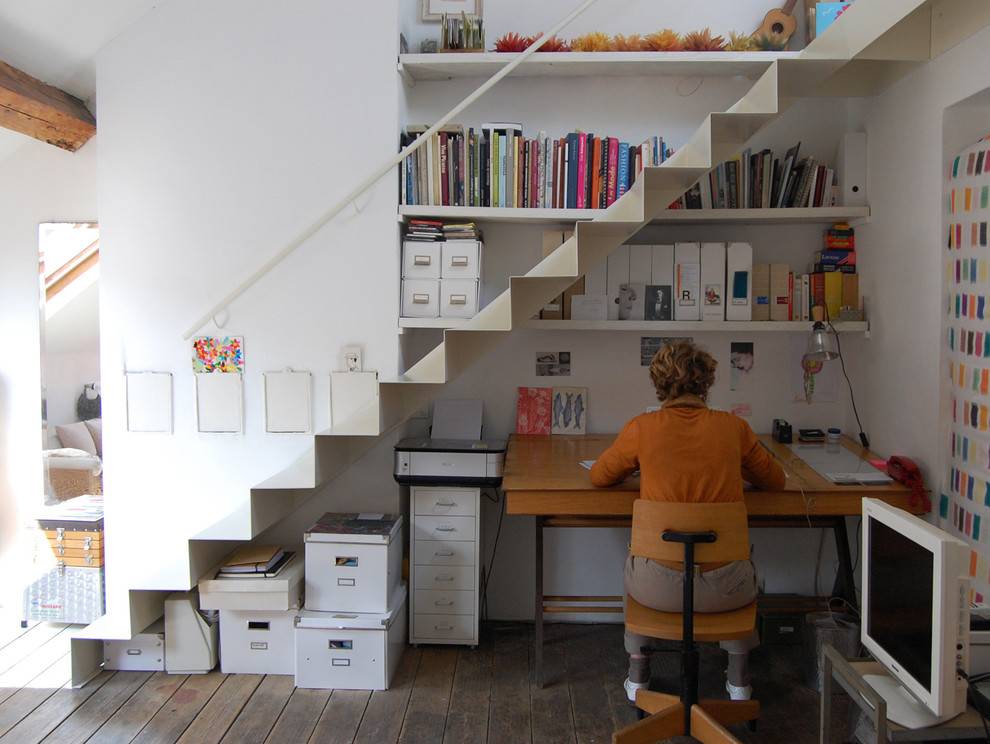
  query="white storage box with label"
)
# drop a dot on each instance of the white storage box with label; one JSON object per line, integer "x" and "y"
{"x": 460, "y": 259}
{"x": 257, "y": 642}
{"x": 420, "y": 260}
{"x": 353, "y": 562}
{"x": 283, "y": 591}
{"x": 145, "y": 652}
{"x": 458, "y": 298}
{"x": 420, "y": 298}
{"x": 350, "y": 651}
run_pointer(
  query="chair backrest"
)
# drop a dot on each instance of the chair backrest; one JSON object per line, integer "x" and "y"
{"x": 727, "y": 520}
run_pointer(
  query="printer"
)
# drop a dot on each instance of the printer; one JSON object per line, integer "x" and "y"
{"x": 454, "y": 453}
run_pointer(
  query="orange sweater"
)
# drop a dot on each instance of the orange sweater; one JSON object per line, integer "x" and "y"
{"x": 688, "y": 452}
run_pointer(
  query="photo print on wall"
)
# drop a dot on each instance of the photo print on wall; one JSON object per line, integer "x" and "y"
{"x": 218, "y": 354}
{"x": 741, "y": 363}
{"x": 569, "y": 410}
{"x": 650, "y": 345}
{"x": 533, "y": 410}
{"x": 553, "y": 364}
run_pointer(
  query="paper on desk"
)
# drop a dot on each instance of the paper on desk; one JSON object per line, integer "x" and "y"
{"x": 370, "y": 517}
{"x": 586, "y": 464}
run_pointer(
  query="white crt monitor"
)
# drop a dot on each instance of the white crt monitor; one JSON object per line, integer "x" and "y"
{"x": 915, "y": 614}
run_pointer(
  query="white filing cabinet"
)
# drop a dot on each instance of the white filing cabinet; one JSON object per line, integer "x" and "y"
{"x": 445, "y": 559}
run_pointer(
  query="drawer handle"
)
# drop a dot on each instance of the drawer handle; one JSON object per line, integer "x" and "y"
{"x": 446, "y": 503}
{"x": 421, "y": 299}
{"x": 133, "y": 652}
{"x": 444, "y": 578}
{"x": 446, "y": 529}
{"x": 421, "y": 260}
{"x": 443, "y": 627}
{"x": 444, "y": 554}
{"x": 440, "y": 603}
{"x": 458, "y": 299}
{"x": 458, "y": 260}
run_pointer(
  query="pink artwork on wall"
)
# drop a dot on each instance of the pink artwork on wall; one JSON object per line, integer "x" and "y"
{"x": 533, "y": 409}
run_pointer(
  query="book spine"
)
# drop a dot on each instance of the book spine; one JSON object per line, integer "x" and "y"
{"x": 572, "y": 170}
{"x": 622, "y": 177}
{"x": 613, "y": 171}
{"x": 556, "y": 179}
{"x": 582, "y": 167}
{"x": 790, "y": 296}
{"x": 548, "y": 188}
{"x": 500, "y": 153}
{"x": 444, "y": 188}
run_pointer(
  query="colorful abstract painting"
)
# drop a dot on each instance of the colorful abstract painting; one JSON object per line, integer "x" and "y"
{"x": 218, "y": 354}
{"x": 965, "y": 489}
{"x": 533, "y": 411}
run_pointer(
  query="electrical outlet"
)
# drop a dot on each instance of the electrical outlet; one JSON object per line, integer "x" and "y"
{"x": 353, "y": 361}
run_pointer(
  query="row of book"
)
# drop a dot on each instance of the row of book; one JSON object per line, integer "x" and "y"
{"x": 760, "y": 180}
{"x": 429, "y": 231}
{"x": 498, "y": 166}
{"x": 254, "y": 561}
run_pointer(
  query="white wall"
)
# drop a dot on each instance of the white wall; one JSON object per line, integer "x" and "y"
{"x": 38, "y": 183}
{"x": 226, "y": 129}
{"x": 72, "y": 349}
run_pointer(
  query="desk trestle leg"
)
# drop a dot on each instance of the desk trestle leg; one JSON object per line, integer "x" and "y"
{"x": 538, "y": 607}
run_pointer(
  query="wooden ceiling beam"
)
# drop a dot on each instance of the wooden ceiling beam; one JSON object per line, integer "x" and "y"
{"x": 42, "y": 111}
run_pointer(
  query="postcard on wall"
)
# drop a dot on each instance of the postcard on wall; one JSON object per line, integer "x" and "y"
{"x": 219, "y": 402}
{"x": 533, "y": 410}
{"x": 650, "y": 345}
{"x": 553, "y": 364}
{"x": 570, "y": 410}
{"x": 288, "y": 402}
{"x": 741, "y": 363}
{"x": 218, "y": 354}
{"x": 149, "y": 401}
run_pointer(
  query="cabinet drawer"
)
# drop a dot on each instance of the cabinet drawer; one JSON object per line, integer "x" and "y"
{"x": 439, "y": 602}
{"x": 443, "y": 528}
{"x": 442, "y": 553}
{"x": 445, "y": 502}
{"x": 445, "y": 578}
{"x": 457, "y": 627}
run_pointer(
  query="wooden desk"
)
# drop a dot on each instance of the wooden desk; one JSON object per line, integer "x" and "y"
{"x": 543, "y": 479}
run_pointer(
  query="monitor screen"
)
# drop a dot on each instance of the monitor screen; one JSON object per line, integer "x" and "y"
{"x": 900, "y": 600}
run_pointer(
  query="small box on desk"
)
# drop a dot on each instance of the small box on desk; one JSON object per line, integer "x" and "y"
{"x": 353, "y": 563}
{"x": 350, "y": 650}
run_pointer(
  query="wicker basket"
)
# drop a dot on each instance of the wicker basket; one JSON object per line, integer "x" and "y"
{"x": 68, "y": 483}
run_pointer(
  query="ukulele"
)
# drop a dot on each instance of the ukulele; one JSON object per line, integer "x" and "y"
{"x": 779, "y": 23}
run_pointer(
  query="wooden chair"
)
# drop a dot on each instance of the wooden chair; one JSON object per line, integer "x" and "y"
{"x": 688, "y": 534}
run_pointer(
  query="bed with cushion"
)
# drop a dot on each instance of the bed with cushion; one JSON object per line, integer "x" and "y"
{"x": 76, "y": 466}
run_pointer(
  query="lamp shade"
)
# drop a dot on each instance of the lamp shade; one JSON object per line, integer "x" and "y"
{"x": 821, "y": 345}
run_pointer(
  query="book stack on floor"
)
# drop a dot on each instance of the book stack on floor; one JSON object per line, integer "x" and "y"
{"x": 352, "y": 631}
{"x": 763, "y": 180}
{"x": 72, "y": 589}
{"x": 441, "y": 270}
{"x": 258, "y": 592}
{"x": 498, "y": 166}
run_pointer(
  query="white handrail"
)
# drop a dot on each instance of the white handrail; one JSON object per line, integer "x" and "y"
{"x": 382, "y": 171}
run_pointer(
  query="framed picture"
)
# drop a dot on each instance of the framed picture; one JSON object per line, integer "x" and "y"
{"x": 432, "y": 10}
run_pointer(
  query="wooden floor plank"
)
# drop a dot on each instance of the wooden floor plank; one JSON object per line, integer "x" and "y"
{"x": 219, "y": 714}
{"x": 586, "y": 680}
{"x": 553, "y": 719}
{"x": 23, "y": 646}
{"x": 299, "y": 717}
{"x": 616, "y": 669}
{"x": 341, "y": 717}
{"x": 261, "y": 712}
{"x": 10, "y": 627}
{"x": 44, "y": 718}
{"x": 382, "y": 719}
{"x": 101, "y": 705}
{"x": 133, "y": 715}
{"x": 509, "y": 719}
{"x": 22, "y": 673}
{"x": 426, "y": 714}
{"x": 470, "y": 696}
{"x": 37, "y": 691}
{"x": 167, "y": 725}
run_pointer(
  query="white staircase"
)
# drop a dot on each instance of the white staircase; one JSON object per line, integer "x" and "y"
{"x": 870, "y": 46}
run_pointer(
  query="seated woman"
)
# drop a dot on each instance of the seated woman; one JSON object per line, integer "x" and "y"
{"x": 688, "y": 452}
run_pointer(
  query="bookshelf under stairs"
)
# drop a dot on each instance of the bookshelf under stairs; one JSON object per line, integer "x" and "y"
{"x": 657, "y": 326}
{"x": 869, "y": 31}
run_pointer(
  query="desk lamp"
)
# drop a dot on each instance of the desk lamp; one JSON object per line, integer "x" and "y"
{"x": 823, "y": 346}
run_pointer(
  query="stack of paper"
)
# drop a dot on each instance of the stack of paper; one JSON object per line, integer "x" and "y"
{"x": 254, "y": 560}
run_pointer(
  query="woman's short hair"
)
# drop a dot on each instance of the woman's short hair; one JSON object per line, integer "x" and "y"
{"x": 681, "y": 368}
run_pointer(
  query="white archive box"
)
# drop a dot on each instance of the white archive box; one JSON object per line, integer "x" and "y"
{"x": 713, "y": 281}
{"x": 458, "y": 298}
{"x": 420, "y": 260}
{"x": 190, "y": 640}
{"x": 420, "y": 298}
{"x": 616, "y": 275}
{"x": 460, "y": 259}
{"x": 739, "y": 281}
{"x": 145, "y": 652}
{"x": 687, "y": 280}
{"x": 350, "y": 651}
{"x": 353, "y": 562}
{"x": 257, "y": 642}
{"x": 283, "y": 591}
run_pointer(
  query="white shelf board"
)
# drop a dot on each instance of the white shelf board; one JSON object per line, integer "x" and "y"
{"x": 431, "y": 322}
{"x": 693, "y": 326}
{"x": 813, "y": 215}
{"x": 446, "y": 66}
